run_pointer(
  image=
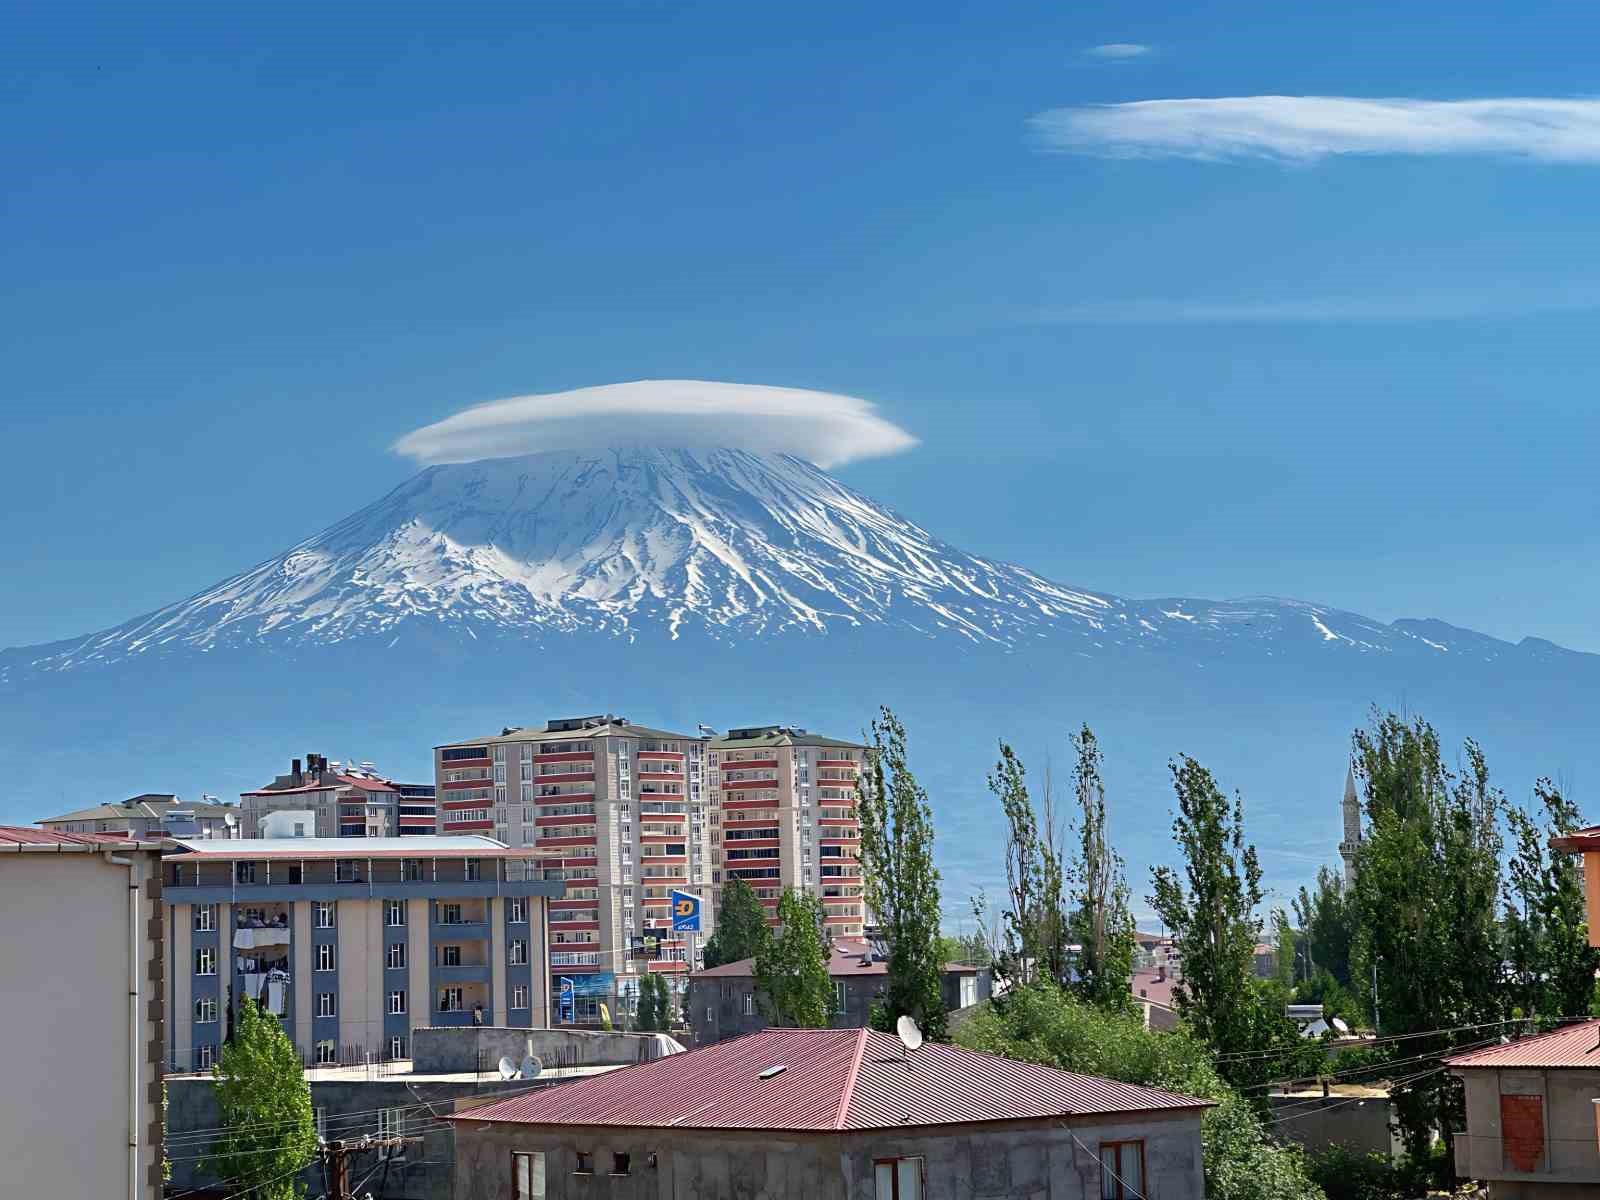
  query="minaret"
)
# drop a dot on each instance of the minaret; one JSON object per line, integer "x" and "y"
{"x": 1351, "y": 808}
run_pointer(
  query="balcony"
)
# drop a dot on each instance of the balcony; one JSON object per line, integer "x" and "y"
{"x": 469, "y": 930}
{"x": 465, "y": 973}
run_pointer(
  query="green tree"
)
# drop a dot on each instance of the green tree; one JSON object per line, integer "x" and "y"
{"x": 1285, "y": 945}
{"x": 264, "y": 1111}
{"x": 1426, "y": 892}
{"x": 1042, "y": 1024}
{"x": 742, "y": 927}
{"x": 1211, "y": 912}
{"x": 649, "y": 1016}
{"x": 900, "y": 882}
{"x": 1552, "y": 965}
{"x": 1100, "y": 921}
{"x": 1328, "y": 920}
{"x": 791, "y": 970}
{"x": 1021, "y": 952}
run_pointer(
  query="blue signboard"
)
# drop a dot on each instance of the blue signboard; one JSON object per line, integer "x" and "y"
{"x": 598, "y": 984}
{"x": 685, "y": 912}
{"x": 567, "y": 1007}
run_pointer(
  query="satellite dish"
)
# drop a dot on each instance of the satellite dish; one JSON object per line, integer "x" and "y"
{"x": 229, "y": 820}
{"x": 531, "y": 1066}
{"x": 910, "y": 1035}
{"x": 508, "y": 1068}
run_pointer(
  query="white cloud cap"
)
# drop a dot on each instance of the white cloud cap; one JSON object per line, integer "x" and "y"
{"x": 821, "y": 427}
{"x": 1308, "y": 128}
{"x": 1118, "y": 51}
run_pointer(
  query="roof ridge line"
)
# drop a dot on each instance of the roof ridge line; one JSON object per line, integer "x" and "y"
{"x": 847, "y": 1093}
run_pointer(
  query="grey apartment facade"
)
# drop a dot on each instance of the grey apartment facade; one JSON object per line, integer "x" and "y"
{"x": 346, "y": 800}
{"x": 352, "y": 944}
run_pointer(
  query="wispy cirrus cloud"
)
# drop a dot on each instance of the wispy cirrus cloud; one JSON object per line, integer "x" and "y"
{"x": 1119, "y": 51}
{"x": 1310, "y": 128}
{"x": 822, "y": 427}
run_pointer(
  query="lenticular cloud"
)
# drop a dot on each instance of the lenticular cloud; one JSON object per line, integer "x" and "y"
{"x": 821, "y": 427}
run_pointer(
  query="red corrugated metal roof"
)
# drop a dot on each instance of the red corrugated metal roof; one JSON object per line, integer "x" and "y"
{"x": 24, "y": 835}
{"x": 833, "y": 1079}
{"x": 1575, "y": 1046}
{"x": 1578, "y": 840}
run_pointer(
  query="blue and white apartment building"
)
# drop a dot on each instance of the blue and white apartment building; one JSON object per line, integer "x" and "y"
{"x": 353, "y": 943}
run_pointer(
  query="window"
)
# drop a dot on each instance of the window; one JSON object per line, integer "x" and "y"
{"x": 412, "y": 872}
{"x": 322, "y": 914}
{"x": 1521, "y": 1131}
{"x": 394, "y": 913}
{"x": 620, "y": 1163}
{"x": 326, "y": 1005}
{"x": 527, "y": 1176}
{"x": 390, "y": 1122}
{"x": 898, "y": 1178}
{"x": 205, "y": 960}
{"x": 749, "y": 1004}
{"x": 585, "y": 1162}
{"x": 517, "y": 910}
{"x": 519, "y": 996}
{"x": 474, "y": 870}
{"x": 204, "y": 1056}
{"x": 344, "y": 871}
{"x": 449, "y": 914}
{"x": 205, "y": 917}
{"x": 397, "y": 1003}
{"x": 397, "y": 1046}
{"x": 205, "y": 1009}
{"x": 969, "y": 990}
{"x": 325, "y": 956}
{"x": 396, "y": 956}
{"x": 327, "y": 1052}
{"x": 838, "y": 996}
{"x": 449, "y": 956}
{"x": 244, "y": 872}
{"x": 450, "y": 999}
{"x": 1121, "y": 1171}
{"x": 322, "y": 1122}
{"x": 519, "y": 953}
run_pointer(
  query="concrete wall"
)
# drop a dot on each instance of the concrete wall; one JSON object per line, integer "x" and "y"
{"x": 1022, "y": 1161}
{"x": 717, "y": 1003}
{"x": 65, "y": 1037}
{"x": 1571, "y": 1162}
{"x": 443, "y": 1051}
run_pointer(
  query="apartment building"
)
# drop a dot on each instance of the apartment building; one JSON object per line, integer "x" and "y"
{"x": 783, "y": 815}
{"x": 348, "y": 800}
{"x": 80, "y": 1095}
{"x": 353, "y": 944}
{"x": 617, "y": 810}
{"x": 151, "y": 814}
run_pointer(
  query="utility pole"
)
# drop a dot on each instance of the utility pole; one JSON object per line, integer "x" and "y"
{"x": 335, "y": 1154}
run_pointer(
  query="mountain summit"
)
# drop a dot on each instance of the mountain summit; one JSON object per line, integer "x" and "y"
{"x": 634, "y": 541}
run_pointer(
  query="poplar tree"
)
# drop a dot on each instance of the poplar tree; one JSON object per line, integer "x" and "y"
{"x": 900, "y": 882}
{"x": 742, "y": 927}
{"x": 1552, "y": 965}
{"x": 791, "y": 969}
{"x": 1017, "y": 959}
{"x": 1428, "y": 946}
{"x": 268, "y": 1133}
{"x": 1100, "y": 921}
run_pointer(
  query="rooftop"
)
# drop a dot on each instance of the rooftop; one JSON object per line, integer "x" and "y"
{"x": 1572, "y": 1046}
{"x": 328, "y": 782}
{"x": 605, "y": 726}
{"x": 826, "y": 1079}
{"x": 153, "y": 805}
{"x": 777, "y": 735}
{"x": 1154, "y": 985}
{"x": 18, "y": 837}
{"x": 420, "y": 846}
{"x": 844, "y": 961}
{"x": 1578, "y": 840}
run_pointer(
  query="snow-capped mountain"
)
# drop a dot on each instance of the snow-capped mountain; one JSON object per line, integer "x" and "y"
{"x": 638, "y": 542}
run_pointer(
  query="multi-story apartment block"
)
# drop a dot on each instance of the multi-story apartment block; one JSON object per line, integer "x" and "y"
{"x": 353, "y": 944}
{"x": 152, "y": 814}
{"x": 348, "y": 801}
{"x": 784, "y": 816}
{"x": 617, "y": 810}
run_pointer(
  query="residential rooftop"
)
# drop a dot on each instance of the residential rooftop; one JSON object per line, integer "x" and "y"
{"x": 153, "y": 805}
{"x": 824, "y": 1080}
{"x": 778, "y": 735}
{"x": 566, "y": 729}
{"x": 849, "y": 957}
{"x": 25, "y": 837}
{"x": 1575, "y": 1045}
{"x": 419, "y": 846}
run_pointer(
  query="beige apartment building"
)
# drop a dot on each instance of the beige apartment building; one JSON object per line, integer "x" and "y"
{"x": 617, "y": 810}
{"x": 151, "y": 814}
{"x": 345, "y": 800}
{"x": 352, "y": 943}
{"x": 80, "y": 1093}
{"x": 783, "y": 815}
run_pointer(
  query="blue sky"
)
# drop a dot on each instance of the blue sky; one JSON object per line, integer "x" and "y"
{"x": 247, "y": 251}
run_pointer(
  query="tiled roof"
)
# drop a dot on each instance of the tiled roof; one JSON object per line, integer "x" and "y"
{"x": 832, "y": 1079}
{"x": 1574, "y": 1046}
{"x": 24, "y": 835}
{"x": 1578, "y": 839}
